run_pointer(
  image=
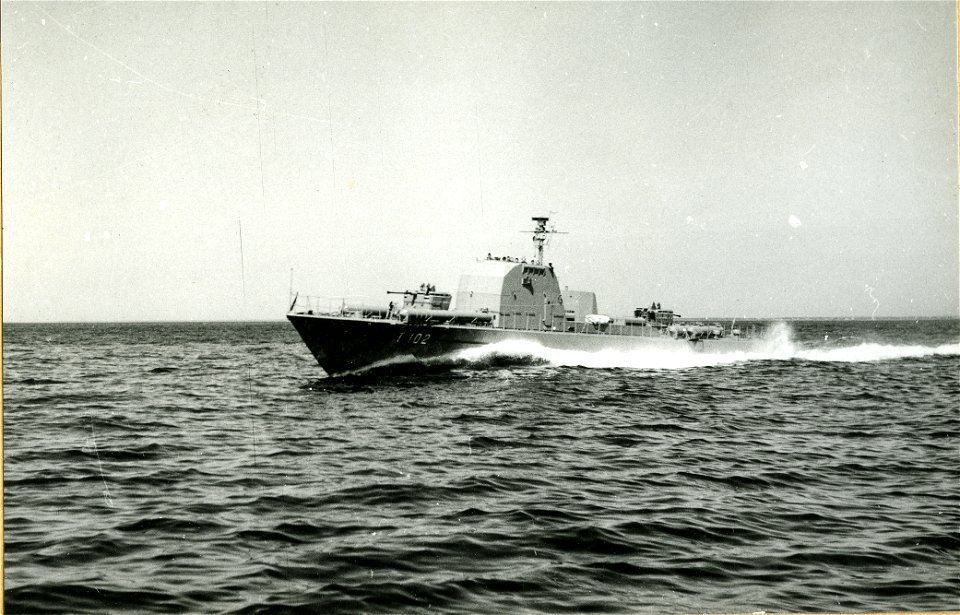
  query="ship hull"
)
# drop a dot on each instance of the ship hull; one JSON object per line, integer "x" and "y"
{"x": 344, "y": 345}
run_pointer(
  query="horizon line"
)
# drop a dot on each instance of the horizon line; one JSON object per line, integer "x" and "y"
{"x": 277, "y": 320}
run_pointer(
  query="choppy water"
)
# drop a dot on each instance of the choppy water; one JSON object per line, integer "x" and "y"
{"x": 208, "y": 468}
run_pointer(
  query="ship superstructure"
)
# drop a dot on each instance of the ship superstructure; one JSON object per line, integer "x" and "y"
{"x": 498, "y": 299}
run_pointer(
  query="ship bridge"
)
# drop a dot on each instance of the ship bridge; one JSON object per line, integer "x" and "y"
{"x": 520, "y": 295}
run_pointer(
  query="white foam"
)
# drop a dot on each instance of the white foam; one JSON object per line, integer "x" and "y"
{"x": 876, "y": 352}
{"x": 777, "y": 345}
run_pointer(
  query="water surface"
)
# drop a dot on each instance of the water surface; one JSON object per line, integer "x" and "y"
{"x": 211, "y": 468}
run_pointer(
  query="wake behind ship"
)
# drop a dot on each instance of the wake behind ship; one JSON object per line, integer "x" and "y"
{"x": 498, "y": 299}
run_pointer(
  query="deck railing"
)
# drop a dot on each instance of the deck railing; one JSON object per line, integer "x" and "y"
{"x": 327, "y": 306}
{"x": 356, "y": 307}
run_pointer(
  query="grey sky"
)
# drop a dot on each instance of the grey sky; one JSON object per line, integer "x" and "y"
{"x": 743, "y": 159}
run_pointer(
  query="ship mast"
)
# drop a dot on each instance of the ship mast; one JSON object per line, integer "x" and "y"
{"x": 540, "y": 236}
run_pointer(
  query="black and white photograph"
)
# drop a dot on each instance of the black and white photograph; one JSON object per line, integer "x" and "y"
{"x": 480, "y": 307}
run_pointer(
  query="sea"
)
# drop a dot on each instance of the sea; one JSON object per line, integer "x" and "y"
{"x": 213, "y": 468}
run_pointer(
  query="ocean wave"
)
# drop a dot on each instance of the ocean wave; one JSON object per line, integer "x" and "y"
{"x": 79, "y": 597}
{"x": 35, "y": 381}
{"x": 777, "y": 345}
{"x": 877, "y": 352}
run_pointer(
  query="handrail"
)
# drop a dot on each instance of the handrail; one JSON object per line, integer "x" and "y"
{"x": 340, "y": 307}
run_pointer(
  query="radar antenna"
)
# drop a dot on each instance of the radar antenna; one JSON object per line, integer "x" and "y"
{"x": 540, "y": 235}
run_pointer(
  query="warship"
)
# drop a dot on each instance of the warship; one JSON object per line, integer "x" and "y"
{"x": 498, "y": 299}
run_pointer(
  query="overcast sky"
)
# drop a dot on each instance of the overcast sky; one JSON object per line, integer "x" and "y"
{"x": 166, "y": 161}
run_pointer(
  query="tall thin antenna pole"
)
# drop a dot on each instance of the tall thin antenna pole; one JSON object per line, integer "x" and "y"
{"x": 479, "y": 158}
{"x": 326, "y": 67}
{"x": 243, "y": 276}
{"x": 256, "y": 78}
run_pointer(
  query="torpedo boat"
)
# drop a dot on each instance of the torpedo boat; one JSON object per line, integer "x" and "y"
{"x": 498, "y": 299}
